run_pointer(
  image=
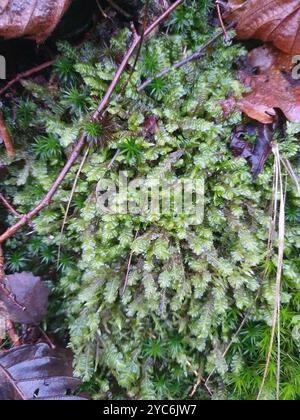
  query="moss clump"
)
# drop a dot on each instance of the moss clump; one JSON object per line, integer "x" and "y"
{"x": 189, "y": 285}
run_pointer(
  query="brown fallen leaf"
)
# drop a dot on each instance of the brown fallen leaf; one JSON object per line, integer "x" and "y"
{"x": 276, "y": 21}
{"x": 268, "y": 75}
{"x": 34, "y": 19}
{"x": 272, "y": 86}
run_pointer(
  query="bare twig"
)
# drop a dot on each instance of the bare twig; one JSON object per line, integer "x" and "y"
{"x": 195, "y": 56}
{"x": 2, "y": 273}
{"x": 218, "y": 4}
{"x": 199, "y": 381}
{"x": 277, "y": 299}
{"x": 237, "y": 333}
{"x": 101, "y": 9}
{"x": 229, "y": 345}
{"x": 4, "y": 134}
{"x": 145, "y": 23}
{"x": 13, "y": 211}
{"x": 292, "y": 173}
{"x": 47, "y": 199}
{"x": 70, "y": 201}
{"x": 82, "y": 139}
{"x": 9, "y": 207}
{"x": 26, "y": 74}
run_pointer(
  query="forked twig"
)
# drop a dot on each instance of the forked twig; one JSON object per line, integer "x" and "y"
{"x": 144, "y": 26}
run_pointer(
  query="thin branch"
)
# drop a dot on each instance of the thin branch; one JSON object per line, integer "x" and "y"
{"x": 4, "y": 134}
{"x": 234, "y": 337}
{"x": 195, "y": 56}
{"x": 199, "y": 381}
{"x": 245, "y": 319}
{"x": 82, "y": 140}
{"x": 110, "y": 165}
{"x": 47, "y": 199}
{"x": 144, "y": 27}
{"x": 2, "y": 263}
{"x": 292, "y": 173}
{"x": 70, "y": 201}
{"x": 277, "y": 299}
{"x": 9, "y": 207}
{"x": 101, "y": 9}
{"x": 218, "y": 4}
{"x": 13, "y": 211}
{"x": 127, "y": 57}
{"x": 25, "y": 75}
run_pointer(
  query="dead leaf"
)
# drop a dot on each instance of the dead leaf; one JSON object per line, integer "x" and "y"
{"x": 258, "y": 152}
{"x": 34, "y": 19}
{"x": 276, "y": 21}
{"x": 269, "y": 76}
{"x": 36, "y": 373}
{"x": 29, "y": 292}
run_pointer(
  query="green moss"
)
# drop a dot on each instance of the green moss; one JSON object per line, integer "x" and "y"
{"x": 189, "y": 285}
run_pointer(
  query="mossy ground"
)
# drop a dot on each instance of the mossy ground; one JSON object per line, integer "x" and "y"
{"x": 189, "y": 285}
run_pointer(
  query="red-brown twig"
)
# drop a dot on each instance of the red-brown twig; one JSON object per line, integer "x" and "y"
{"x": 47, "y": 199}
{"x": 25, "y": 75}
{"x": 13, "y": 211}
{"x": 82, "y": 140}
{"x": 4, "y": 134}
{"x": 10, "y": 207}
{"x": 144, "y": 27}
